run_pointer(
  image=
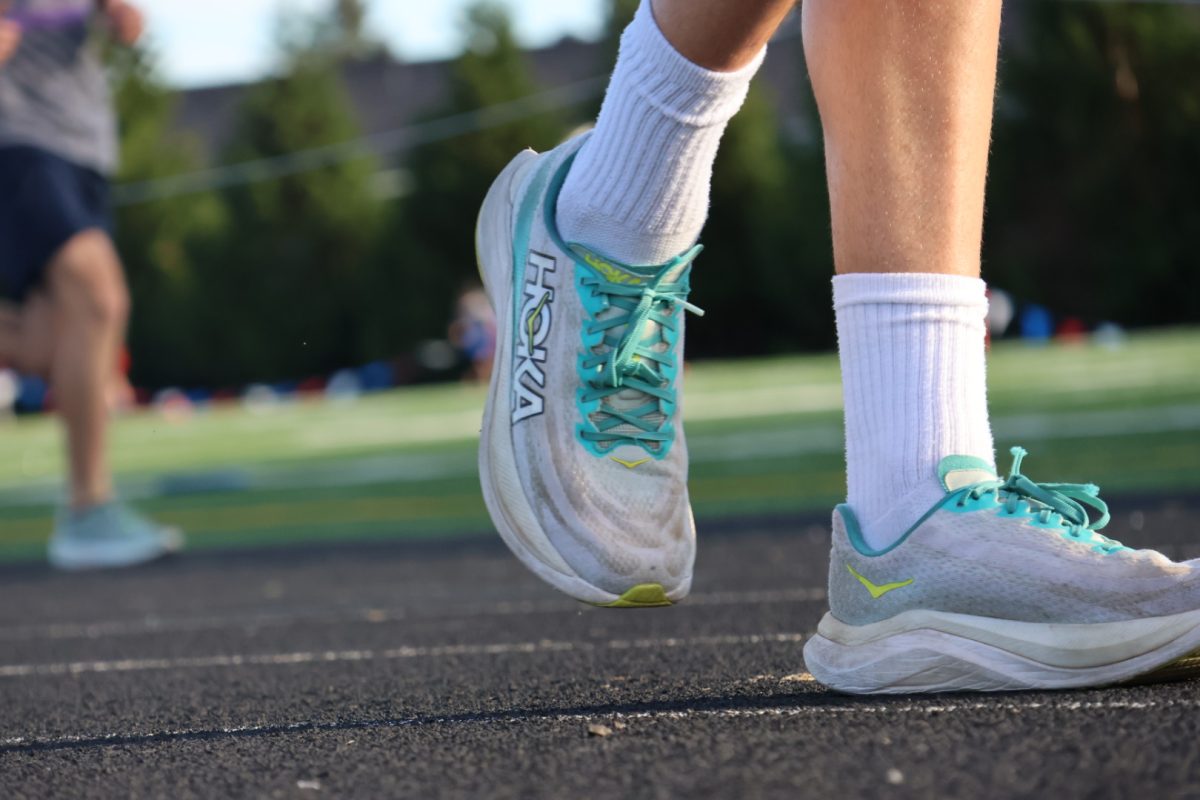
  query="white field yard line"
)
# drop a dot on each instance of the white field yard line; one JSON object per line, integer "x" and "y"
{"x": 849, "y": 709}
{"x": 249, "y": 620}
{"x": 390, "y": 654}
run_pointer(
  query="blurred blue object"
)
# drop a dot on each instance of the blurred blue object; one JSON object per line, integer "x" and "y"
{"x": 199, "y": 397}
{"x": 32, "y": 396}
{"x": 1037, "y": 324}
{"x": 376, "y": 376}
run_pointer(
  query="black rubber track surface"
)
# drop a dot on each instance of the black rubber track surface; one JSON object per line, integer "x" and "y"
{"x": 444, "y": 670}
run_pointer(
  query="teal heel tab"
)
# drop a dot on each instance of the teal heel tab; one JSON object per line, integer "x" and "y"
{"x": 853, "y": 531}
{"x": 955, "y": 472}
{"x": 855, "y": 536}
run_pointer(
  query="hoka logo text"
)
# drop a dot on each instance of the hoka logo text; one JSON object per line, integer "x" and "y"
{"x": 534, "y": 326}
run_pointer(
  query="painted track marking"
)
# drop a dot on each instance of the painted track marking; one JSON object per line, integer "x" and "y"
{"x": 340, "y": 656}
{"x": 156, "y": 625}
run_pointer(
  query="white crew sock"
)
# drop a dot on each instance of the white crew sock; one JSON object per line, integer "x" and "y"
{"x": 915, "y": 388}
{"x": 638, "y": 190}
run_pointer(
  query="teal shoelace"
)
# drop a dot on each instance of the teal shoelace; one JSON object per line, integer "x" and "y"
{"x": 1063, "y": 504}
{"x": 635, "y": 357}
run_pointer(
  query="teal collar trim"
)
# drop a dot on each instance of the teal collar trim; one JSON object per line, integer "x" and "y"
{"x": 859, "y": 543}
{"x": 1051, "y": 505}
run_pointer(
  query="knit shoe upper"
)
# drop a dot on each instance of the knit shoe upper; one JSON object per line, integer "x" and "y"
{"x": 1011, "y": 549}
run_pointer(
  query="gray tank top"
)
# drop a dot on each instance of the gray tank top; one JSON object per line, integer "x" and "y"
{"x": 54, "y": 92}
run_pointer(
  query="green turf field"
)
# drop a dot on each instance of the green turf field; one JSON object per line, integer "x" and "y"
{"x": 765, "y": 437}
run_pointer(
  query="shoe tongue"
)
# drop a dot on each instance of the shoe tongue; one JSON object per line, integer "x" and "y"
{"x": 955, "y": 472}
{"x": 615, "y": 271}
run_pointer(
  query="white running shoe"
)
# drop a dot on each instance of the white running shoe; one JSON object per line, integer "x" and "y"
{"x": 1002, "y": 585}
{"x": 108, "y": 536}
{"x": 582, "y": 456}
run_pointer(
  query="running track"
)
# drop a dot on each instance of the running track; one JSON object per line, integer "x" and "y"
{"x": 443, "y": 670}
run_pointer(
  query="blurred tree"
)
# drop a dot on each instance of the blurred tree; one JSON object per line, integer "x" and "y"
{"x": 338, "y": 30}
{"x": 351, "y": 17}
{"x": 767, "y": 242}
{"x": 428, "y": 254}
{"x": 1093, "y": 206}
{"x": 286, "y": 306}
{"x": 166, "y": 245}
{"x": 617, "y": 17}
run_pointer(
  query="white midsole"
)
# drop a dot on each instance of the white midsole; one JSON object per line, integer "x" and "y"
{"x": 1071, "y": 646}
{"x": 928, "y": 651}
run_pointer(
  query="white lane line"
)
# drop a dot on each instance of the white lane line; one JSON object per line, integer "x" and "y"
{"x": 848, "y": 709}
{"x": 339, "y": 656}
{"x": 250, "y": 621}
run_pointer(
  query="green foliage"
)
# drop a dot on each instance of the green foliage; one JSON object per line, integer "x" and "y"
{"x": 429, "y": 253}
{"x": 285, "y": 299}
{"x": 1093, "y": 207}
{"x": 167, "y": 245}
{"x": 338, "y": 31}
{"x": 764, "y": 277}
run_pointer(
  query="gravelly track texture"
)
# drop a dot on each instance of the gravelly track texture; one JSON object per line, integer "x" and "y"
{"x": 445, "y": 670}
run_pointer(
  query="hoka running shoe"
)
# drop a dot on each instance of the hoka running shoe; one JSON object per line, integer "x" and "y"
{"x": 107, "y": 536}
{"x": 582, "y": 457}
{"x": 1004, "y": 584}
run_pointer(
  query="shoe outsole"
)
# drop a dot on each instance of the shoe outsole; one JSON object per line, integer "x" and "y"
{"x": 510, "y": 511}
{"x": 644, "y": 595}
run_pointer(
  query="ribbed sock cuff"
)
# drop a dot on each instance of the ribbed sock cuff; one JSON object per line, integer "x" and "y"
{"x": 681, "y": 90}
{"x": 907, "y": 288}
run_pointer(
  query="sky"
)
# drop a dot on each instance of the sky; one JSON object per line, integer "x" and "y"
{"x": 220, "y": 41}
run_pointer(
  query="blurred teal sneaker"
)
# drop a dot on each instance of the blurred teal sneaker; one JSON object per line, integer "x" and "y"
{"x": 108, "y": 536}
{"x": 1002, "y": 585}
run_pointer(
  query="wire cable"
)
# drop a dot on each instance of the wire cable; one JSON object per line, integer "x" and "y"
{"x": 378, "y": 144}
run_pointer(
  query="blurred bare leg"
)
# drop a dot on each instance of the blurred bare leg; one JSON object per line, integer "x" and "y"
{"x": 91, "y": 308}
{"x": 27, "y": 335}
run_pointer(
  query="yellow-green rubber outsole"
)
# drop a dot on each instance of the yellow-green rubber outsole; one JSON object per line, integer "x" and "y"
{"x": 644, "y": 595}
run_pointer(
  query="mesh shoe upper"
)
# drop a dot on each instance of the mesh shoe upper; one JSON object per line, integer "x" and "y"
{"x": 992, "y": 551}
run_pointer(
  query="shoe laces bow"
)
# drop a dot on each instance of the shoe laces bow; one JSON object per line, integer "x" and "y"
{"x": 635, "y": 353}
{"x": 1063, "y": 504}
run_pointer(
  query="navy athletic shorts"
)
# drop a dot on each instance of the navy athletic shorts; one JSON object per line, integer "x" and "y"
{"x": 44, "y": 202}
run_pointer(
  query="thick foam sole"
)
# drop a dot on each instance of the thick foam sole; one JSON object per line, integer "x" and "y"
{"x": 503, "y": 494}
{"x": 75, "y": 556}
{"x": 926, "y": 651}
